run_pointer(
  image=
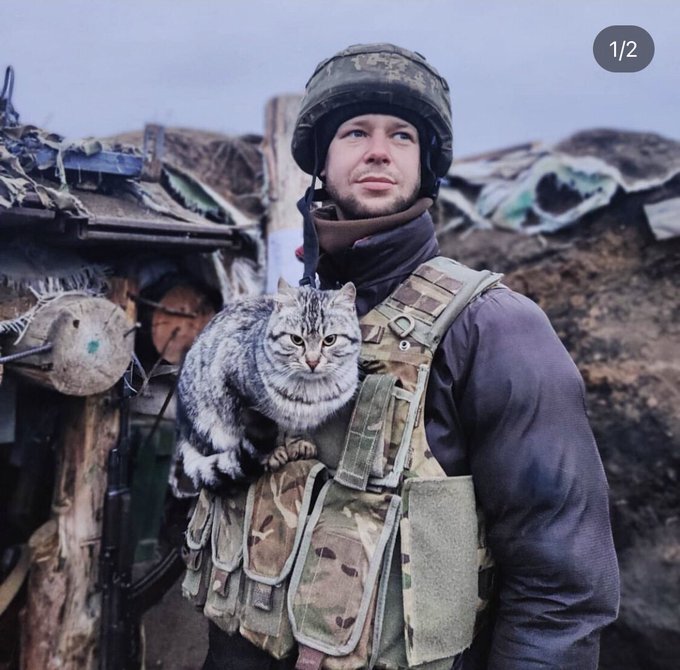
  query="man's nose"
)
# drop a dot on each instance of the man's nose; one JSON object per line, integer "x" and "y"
{"x": 378, "y": 149}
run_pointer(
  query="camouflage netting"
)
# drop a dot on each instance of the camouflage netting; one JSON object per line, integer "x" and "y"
{"x": 230, "y": 165}
{"x": 25, "y": 150}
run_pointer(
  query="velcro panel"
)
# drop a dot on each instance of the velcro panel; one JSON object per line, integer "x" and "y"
{"x": 335, "y": 577}
{"x": 439, "y": 567}
{"x": 422, "y": 295}
{"x": 437, "y": 277}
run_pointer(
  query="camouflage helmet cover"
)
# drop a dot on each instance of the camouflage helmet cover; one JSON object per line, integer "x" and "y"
{"x": 384, "y": 74}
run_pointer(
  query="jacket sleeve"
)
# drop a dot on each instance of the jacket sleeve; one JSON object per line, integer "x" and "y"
{"x": 539, "y": 479}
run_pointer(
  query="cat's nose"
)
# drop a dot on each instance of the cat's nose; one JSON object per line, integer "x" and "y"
{"x": 312, "y": 362}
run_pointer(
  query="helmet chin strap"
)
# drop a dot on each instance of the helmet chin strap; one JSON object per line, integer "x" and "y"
{"x": 430, "y": 180}
{"x": 310, "y": 239}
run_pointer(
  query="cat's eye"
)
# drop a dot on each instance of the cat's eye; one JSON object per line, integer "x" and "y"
{"x": 329, "y": 339}
{"x": 297, "y": 340}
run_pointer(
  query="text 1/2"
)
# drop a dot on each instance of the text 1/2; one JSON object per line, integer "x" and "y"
{"x": 631, "y": 45}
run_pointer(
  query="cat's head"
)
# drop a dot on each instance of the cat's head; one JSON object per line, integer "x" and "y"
{"x": 314, "y": 332}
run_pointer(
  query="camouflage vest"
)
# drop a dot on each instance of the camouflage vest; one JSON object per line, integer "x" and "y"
{"x": 369, "y": 556}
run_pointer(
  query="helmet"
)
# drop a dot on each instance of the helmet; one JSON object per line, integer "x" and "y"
{"x": 382, "y": 78}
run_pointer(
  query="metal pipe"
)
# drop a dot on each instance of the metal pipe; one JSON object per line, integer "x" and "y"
{"x": 25, "y": 354}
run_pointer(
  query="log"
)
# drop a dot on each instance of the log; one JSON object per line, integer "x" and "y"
{"x": 286, "y": 183}
{"x": 60, "y": 623}
{"x": 179, "y": 316}
{"x": 91, "y": 341}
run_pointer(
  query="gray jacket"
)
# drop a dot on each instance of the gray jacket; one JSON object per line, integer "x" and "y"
{"x": 505, "y": 403}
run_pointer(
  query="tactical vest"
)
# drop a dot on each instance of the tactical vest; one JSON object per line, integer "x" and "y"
{"x": 370, "y": 556}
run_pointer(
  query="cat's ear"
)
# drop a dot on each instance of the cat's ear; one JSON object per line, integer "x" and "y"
{"x": 283, "y": 285}
{"x": 286, "y": 295}
{"x": 346, "y": 295}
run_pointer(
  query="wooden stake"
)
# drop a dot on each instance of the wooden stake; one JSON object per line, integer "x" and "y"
{"x": 60, "y": 624}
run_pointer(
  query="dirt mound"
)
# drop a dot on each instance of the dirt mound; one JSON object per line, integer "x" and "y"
{"x": 611, "y": 291}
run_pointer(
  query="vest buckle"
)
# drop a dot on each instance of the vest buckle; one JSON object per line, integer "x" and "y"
{"x": 402, "y": 331}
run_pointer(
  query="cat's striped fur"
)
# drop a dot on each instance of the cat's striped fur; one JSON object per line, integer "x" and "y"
{"x": 292, "y": 357}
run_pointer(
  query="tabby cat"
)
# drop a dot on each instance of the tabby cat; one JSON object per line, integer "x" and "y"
{"x": 291, "y": 357}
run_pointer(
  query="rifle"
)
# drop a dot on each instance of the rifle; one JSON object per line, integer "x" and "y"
{"x": 116, "y": 557}
{"x": 124, "y": 601}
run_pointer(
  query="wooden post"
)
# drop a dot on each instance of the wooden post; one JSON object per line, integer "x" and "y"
{"x": 60, "y": 623}
{"x": 286, "y": 184}
{"x": 60, "y": 626}
{"x": 91, "y": 345}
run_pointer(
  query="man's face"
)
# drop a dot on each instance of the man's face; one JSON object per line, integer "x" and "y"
{"x": 373, "y": 166}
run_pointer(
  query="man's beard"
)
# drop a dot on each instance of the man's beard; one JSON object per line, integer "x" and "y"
{"x": 351, "y": 208}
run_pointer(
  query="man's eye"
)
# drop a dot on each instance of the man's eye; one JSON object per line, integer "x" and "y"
{"x": 297, "y": 340}
{"x": 401, "y": 135}
{"x": 355, "y": 133}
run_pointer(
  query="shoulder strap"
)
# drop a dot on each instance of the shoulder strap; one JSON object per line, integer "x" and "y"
{"x": 431, "y": 299}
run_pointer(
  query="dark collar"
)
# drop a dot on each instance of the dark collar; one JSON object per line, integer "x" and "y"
{"x": 379, "y": 263}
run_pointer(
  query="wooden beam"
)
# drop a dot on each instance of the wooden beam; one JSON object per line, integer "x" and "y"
{"x": 60, "y": 627}
{"x": 61, "y": 620}
{"x": 286, "y": 184}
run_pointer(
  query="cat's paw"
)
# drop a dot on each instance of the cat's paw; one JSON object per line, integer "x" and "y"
{"x": 277, "y": 459}
{"x": 299, "y": 448}
{"x": 294, "y": 448}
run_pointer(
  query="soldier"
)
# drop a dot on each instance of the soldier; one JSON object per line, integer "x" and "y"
{"x": 504, "y": 403}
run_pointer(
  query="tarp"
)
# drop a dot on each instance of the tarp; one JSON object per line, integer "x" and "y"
{"x": 538, "y": 189}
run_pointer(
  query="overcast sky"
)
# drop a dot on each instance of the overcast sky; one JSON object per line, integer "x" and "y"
{"x": 518, "y": 69}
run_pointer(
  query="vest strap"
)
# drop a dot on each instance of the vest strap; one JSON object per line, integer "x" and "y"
{"x": 433, "y": 297}
{"x": 309, "y": 659}
{"x": 366, "y": 430}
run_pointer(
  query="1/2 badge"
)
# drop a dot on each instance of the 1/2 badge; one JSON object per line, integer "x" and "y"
{"x": 623, "y": 48}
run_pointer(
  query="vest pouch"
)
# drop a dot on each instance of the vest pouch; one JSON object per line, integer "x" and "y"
{"x": 378, "y": 436}
{"x": 384, "y": 413}
{"x": 225, "y": 583}
{"x": 336, "y": 588}
{"x": 439, "y": 547}
{"x": 277, "y": 508}
{"x": 195, "y": 551}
